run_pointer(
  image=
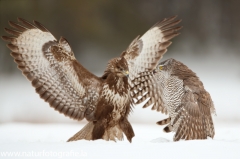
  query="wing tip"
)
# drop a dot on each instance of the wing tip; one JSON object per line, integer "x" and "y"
{"x": 6, "y": 38}
{"x": 20, "y": 19}
{"x": 40, "y": 26}
{"x": 26, "y": 23}
{"x": 167, "y": 21}
{"x": 172, "y": 17}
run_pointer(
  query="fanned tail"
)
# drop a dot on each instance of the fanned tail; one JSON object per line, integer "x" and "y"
{"x": 84, "y": 133}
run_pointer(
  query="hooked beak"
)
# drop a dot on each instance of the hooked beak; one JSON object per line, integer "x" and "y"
{"x": 126, "y": 73}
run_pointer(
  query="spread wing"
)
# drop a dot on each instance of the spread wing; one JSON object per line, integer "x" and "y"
{"x": 53, "y": 70}
{"x": 194, "y": 120}
{"x": 144, "y": 53}
{"x": 149, "y": 86}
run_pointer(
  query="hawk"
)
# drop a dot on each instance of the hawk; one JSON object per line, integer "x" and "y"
{"x": 71, "y": 89}
{"x": 174, "y": 89}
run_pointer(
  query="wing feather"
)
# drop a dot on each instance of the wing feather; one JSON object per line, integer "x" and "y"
{"x": 13, "y": 32}
{"x": 144, "y": 53}
{"x": 27, "y": 24}
{"x": 40, "y": 26}
{"x": 149, "y": 86}
{"x": 195, "y": 117}
{"x": 17, "y": 26}
{"x": 178, "y": 92}
{"x": 53, "y": 70}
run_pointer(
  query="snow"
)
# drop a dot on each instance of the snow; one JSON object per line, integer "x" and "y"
{"x": 49, "y": 141}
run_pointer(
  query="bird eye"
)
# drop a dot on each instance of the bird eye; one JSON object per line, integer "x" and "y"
{"x": 160, "y": 67}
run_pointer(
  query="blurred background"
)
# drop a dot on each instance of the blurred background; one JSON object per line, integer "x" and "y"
{"x": 99, "y": 30}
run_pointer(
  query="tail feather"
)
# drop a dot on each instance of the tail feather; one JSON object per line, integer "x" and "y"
{"x": 113, "y": 133}
{"x": 98, "y": 130}
{"x": 84, "y": 133}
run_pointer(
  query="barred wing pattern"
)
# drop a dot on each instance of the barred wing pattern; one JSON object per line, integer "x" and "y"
{"x": 53, "y": 70}
{"x": 193, "y": 119}
{"x": 148, "y": 87}
{"x": 187, "y": 103}
{"x": 143, "y": 55}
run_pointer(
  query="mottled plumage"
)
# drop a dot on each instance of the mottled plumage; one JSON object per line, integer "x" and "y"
{"x": 183, "y": 97}
{"x": 69, "y": 88}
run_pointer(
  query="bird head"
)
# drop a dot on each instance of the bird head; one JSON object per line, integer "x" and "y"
{"x": 160, "y": 67}
{"x": 164, "y": 66}
{"x": 119, "y": 67}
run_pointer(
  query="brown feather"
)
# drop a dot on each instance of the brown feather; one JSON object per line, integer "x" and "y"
{"x": 164, "y": 22}
{"x": 26, "y": 23}
{"x": 17, "y": 26}
{"x": 12, "y": 47}
{"x": 164, "y": 45}
{"x": 171, "y": 30}
{"x": 9, "y": 39}
{"x": 13, "y": 32}
{"x": 169, "y": 37}
{"x": 167, "y": 129}
{"x": 84, "y": 133}
{"x": 164, "y": 121}
{"x": 127, "y": 129}
{"x": 40, "y": 26}
{"x": 170, "y": 24}
{"x": 190, "y": 115}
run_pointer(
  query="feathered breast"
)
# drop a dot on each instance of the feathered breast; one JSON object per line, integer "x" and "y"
{"x": 172, "y": 91}
{"x": 114, "y": 97}
{"x": 117, "y": 94}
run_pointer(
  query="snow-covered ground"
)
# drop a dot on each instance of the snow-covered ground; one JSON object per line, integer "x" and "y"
{"x": 22, "y": 140}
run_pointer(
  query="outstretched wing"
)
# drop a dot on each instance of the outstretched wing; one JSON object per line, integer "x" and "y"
{"x": 53, "y": 70}
{"x": 144, "y": 53}
{"x": 149, "y": 86}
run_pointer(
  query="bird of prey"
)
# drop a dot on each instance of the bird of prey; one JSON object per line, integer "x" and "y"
{"x": 174, "y": 89}
{"x": 71, "y": 89}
